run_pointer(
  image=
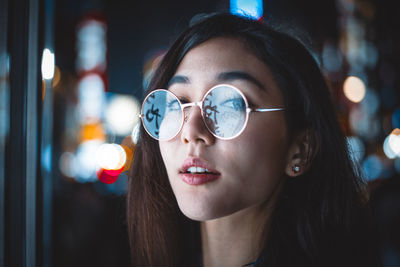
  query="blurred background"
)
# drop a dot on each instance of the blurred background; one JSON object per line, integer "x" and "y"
{"x": 72, "y": 77}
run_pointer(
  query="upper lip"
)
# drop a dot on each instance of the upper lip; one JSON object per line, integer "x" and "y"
{"x": 197, "y": 162}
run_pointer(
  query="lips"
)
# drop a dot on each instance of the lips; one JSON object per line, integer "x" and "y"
{"x": 201, "y": 171}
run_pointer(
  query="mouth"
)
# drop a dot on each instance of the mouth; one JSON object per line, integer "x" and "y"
{"x": 196, "y": 171}
{"x": 199, "y": 171}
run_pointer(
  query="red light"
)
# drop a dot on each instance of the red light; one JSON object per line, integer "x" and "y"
{"x": 109, "y": 176}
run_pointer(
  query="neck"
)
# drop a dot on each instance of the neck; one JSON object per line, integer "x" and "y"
{"x": 235, "y": 240}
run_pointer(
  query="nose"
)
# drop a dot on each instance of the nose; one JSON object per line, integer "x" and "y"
{"x": 194, "y": 130}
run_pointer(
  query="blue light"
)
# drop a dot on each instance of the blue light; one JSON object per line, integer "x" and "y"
{"x": 247, "y": 8}
{"x": 396, "y": 118}
{"x": 372, "y": 167}
{"x": 46, "y": 158}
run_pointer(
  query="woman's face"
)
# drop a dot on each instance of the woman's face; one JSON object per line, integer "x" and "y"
{"x": 245, "y": 171}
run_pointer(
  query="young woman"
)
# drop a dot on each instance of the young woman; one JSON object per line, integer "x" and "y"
{"x": 241, "y": 160}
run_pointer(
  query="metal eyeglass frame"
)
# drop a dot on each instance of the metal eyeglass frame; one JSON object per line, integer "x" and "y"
{"x": 200, "y": 104}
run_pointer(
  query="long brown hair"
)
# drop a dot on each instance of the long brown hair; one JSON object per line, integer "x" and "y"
{"x": 315, "y": 212}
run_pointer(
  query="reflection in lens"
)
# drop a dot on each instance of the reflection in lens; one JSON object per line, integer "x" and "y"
{"x": 172, "y": 120}
{"x": 162, "y": 115}
{"x": 224, "y": 111}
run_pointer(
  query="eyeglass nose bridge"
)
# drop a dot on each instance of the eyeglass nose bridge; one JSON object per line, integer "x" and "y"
{"x": 192, "y": 104}
{"x": 186, "y": 105}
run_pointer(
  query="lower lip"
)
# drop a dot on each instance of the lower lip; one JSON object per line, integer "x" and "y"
{"x": 198, "y": 179}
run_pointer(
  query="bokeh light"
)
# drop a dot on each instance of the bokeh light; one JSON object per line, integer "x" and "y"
{"x": 364, "y": 124}
{"x": 129, "y": 147}
{"x": 91, "y": 46}
{"x": 370, "y": 103}
{"x": 354, "y": 89}
{"x": 45, "y": 158}
{"x": 110, "y": 162}
{"x": 122, "y": 114}
{"x": 387, "y": 149}
{"x": 47, "y": 64}
{"x": 68, "y": 165}
{"x": 110, "y": 156}
{"x": 372, "y": 167}
{"x": 92, "y": 131}
{"x": 129, "y": 151}
{"x": 248, "y": 8}
{"x": 86, "y": 160}
{"x": 331, "y": 58}
{"x": 394, "y": 141}
{"x": 108, "y": 176}
{"x": 91, "y": 98}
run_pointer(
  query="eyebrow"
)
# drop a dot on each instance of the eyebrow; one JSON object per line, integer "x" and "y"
{"x": 178, "y": 79}
{"x": 239, "y": 75}
{"x": 222, "y": 77}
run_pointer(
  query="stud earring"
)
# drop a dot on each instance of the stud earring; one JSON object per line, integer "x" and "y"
{"x": 296, "y": 168}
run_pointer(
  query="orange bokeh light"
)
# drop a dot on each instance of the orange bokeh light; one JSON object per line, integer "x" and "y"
{"x": 92, "y": 131}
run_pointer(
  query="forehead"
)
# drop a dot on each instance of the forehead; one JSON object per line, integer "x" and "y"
{"x": 219, "y": 53}
{"x": 205, "y": 65}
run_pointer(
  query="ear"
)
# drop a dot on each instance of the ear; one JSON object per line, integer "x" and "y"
{"x": 300, "y": 153}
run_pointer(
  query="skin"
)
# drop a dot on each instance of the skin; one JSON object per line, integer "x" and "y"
{"x": 235, "y": 208}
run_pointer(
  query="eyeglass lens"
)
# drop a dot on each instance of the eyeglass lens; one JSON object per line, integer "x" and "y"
{"x": 223, "y": 107}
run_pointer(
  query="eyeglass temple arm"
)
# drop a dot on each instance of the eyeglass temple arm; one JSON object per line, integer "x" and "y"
{"x": 264, "y": 109}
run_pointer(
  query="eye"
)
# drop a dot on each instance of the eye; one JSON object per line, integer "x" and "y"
{"x": 183, "y": 100}
{"x": 234, "y": 103}
{"x": 173, "y": 105}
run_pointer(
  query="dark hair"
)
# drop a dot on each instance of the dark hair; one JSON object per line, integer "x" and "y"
{"x": 316, "y": 212}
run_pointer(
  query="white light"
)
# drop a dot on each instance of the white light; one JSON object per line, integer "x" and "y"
{"x": 86, "y": 160}
{"x": 110, "y": 157}
{"x": 387, "y": 149}
{"x": 91, "y": 46}
{"x": 91, "y": 97}
{"x": 354, "y": 89}
{"x": 122, "y": 114}
{"x": 47, "y": 64}
{"x": 248, "y": 8}
{"x": 394, "y": 141}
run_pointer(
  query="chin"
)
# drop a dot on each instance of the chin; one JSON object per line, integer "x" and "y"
{"x": 202, "y": 214}
{"x": 197, "y": 213}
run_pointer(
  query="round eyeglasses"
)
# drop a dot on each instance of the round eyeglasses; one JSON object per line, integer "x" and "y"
{"x": 224, "y": 109}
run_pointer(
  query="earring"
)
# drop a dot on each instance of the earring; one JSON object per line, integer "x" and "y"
{"x": 296, "y": 168}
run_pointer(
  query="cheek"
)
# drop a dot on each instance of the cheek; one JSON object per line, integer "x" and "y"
{"x": 261, "y": 151}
